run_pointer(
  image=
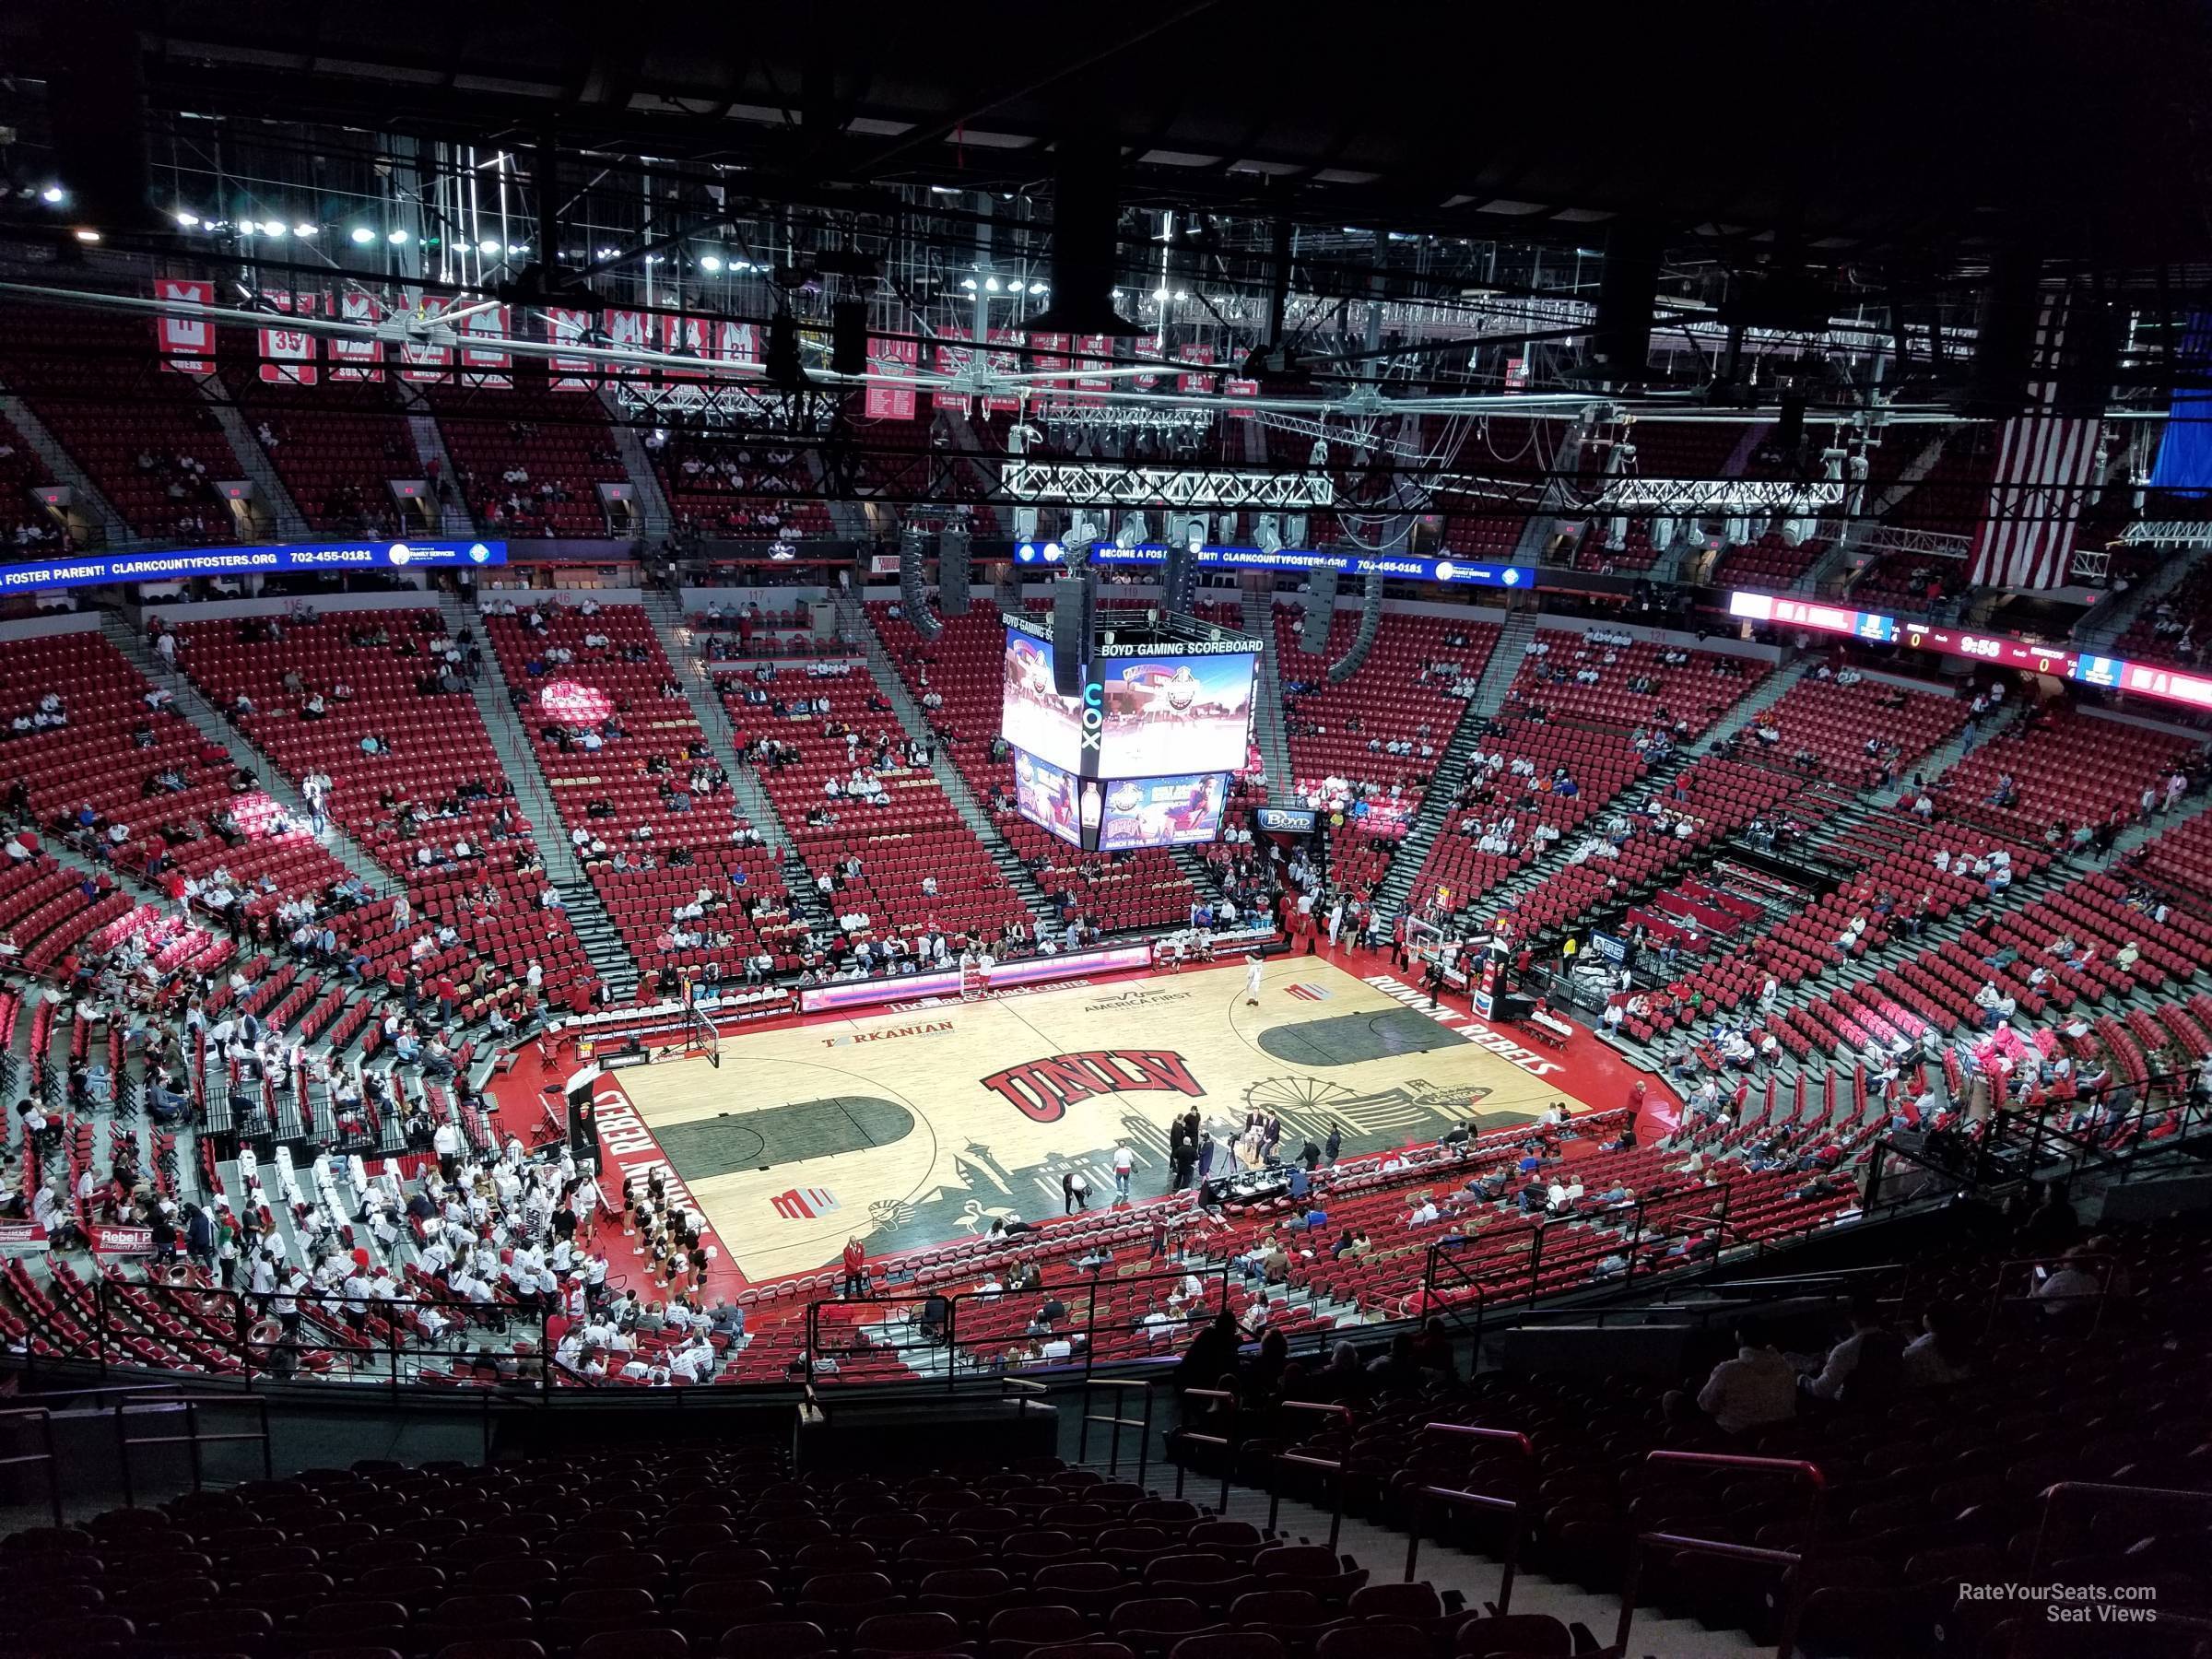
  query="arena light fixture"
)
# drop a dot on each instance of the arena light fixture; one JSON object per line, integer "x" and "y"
{"x": 968, "y": 283}
{"x": 710, "y": 262}
{"x": 54, "y": 196}
{"x": 1039, "y": 287}
{"x": 397, "y": 237}
{"x": 363, "y": 236}
{"x": 305, "y": 233}
{"x": 273, "y": 227}
{"x": 991, "y": 285}
{"x": 190, "y": 221}
{"x": 488, "y": 245}
{"x": 88, "y": 235}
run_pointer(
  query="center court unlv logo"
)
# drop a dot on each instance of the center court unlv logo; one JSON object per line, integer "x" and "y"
{"x": 1042, "y": 1090}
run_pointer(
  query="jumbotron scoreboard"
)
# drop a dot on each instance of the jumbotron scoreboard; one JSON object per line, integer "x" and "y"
{"x": 1142, "y": 756}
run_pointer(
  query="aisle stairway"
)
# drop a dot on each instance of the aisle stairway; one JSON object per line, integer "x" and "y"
{"x": 213, "y": 727}
{"x": 112, "y": 533}
{"x": 602, "y": 944}
{"x": 855, "y": 628}
{"x": 254, "y": 461}
{"x": 670, "y": 627}
{"x": 429, "y": 447}
{"x": 1267, "y": 691}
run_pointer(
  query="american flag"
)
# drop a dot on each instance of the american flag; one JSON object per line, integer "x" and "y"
{"x": 2044, "y": 466}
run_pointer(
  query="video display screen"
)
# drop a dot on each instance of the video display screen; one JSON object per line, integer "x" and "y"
{"x": 1163, "y": 812}
{"x": 1175, "y": 715}
{"x": 1046, "y": 797}
{"x": 1032, "y": 716}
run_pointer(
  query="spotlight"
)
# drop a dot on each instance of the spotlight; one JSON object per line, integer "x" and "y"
{"x": 1160, "y": 294}
{"x": 991, "y": 285}
{"x": 54, "y": 196}
{"x": 363, "y": 236}
{"x": 1193, "y": 535}
{"x": 306, "y": 232}
{"x": 189, "y": 221}
{"x": 710, "y": 262}
{"x": 487, "y": 246}
{"x": 272, "y": 227}
{"x": 87, "y": 236}
{"x": 397, "y": 237}
{"x": 1037, "y": 287}
{"x": 1132, "y": 531}
{"x": 968, "y": 283}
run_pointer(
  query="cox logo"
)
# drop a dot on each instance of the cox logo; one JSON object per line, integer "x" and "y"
{"x": 1094, "y": 712}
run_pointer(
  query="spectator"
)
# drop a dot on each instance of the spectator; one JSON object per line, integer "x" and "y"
{"x": 1758, "y": 1387}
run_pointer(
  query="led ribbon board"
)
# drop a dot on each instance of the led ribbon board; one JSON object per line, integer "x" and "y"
{"x": 180, "y": 564}
{"x": 2114, "y": 673}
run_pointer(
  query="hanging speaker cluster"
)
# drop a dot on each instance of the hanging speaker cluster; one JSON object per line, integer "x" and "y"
{"x": 1075, "y": 622}
{"x": 911, "y": 592}
{"x": 1321, "y": 611}
{"x": 1371, "y": 625}
{"x": 953, "y": 571}
{"x": 1179, "y": 579}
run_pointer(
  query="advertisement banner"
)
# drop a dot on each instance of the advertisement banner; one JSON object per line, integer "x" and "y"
{"x": 19, "y": 1236}
{"x": 184, "y": 563}
{"x": 186, "y": 344}
{"x": 568, "y": 326}
{"x": 357, "y": 359}
{"x": 1404, "y": 567}
{"x": 287, "y": 355}
{"x": 898, "y": 360}
{"x": 108, "y": 1240}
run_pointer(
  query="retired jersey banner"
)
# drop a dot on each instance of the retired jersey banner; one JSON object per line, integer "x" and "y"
{"x": 357, "y": 359}
{"x": 287, "y": 355}
{"x": 952, "y": 359}
{"x": 484, "y": 365}
{"x": 689, "y": 338}
{"x": 1241, "y": 388}
{"x": 186, "y": 344}
{"x": 737, "y": 343}
{"x": 567, "y": 326}
{"x": 424, "y": 361}
{"x": 896, "y": 360}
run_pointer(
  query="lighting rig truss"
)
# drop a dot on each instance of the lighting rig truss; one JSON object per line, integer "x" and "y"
{"x": 1111, "y": 484}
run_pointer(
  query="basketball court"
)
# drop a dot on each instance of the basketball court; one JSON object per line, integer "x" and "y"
{"x": 921, "y": 1123}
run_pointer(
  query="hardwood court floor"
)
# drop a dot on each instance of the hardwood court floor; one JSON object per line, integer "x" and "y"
{"x": 920, "y": 1125}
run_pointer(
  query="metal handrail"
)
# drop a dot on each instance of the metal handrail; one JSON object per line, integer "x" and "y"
{"x": 53, "y": 1476}
{"x": 1793, "y": 1599}
{"x": 1145, "y": 1387}
{"x": 1229, "y": 1444}
{"x": 1447, "y": 1497}
{"x": 1328, "y": 1465}
{"x": 192, "y": 1437}
{"x": 2053, "y": 1495}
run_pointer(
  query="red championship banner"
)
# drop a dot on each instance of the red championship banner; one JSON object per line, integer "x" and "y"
{"x": 287, "y": 355}
{"x": 952, "y": 358}
{"x": 1194, "y": 353}
{"x": 896, "y": 360}
{"x": 122, "y": 1241}
{"x": 737, "y": 343}
{"x": 482, "y": 365}
{"x": 422, "y": 360}
{"x": 568, "y": 326}
{"x": 686, "y": 337}
{"x": 1093, "y": 352}
{"x": 1005, "y": 362}
{"x": 186, "y": 344}
{"x": 357, "y": 359}
{"x": 19, "y": 1236}
{"x": 1241, "y": 388}
{"x": 1051, "y": 359}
